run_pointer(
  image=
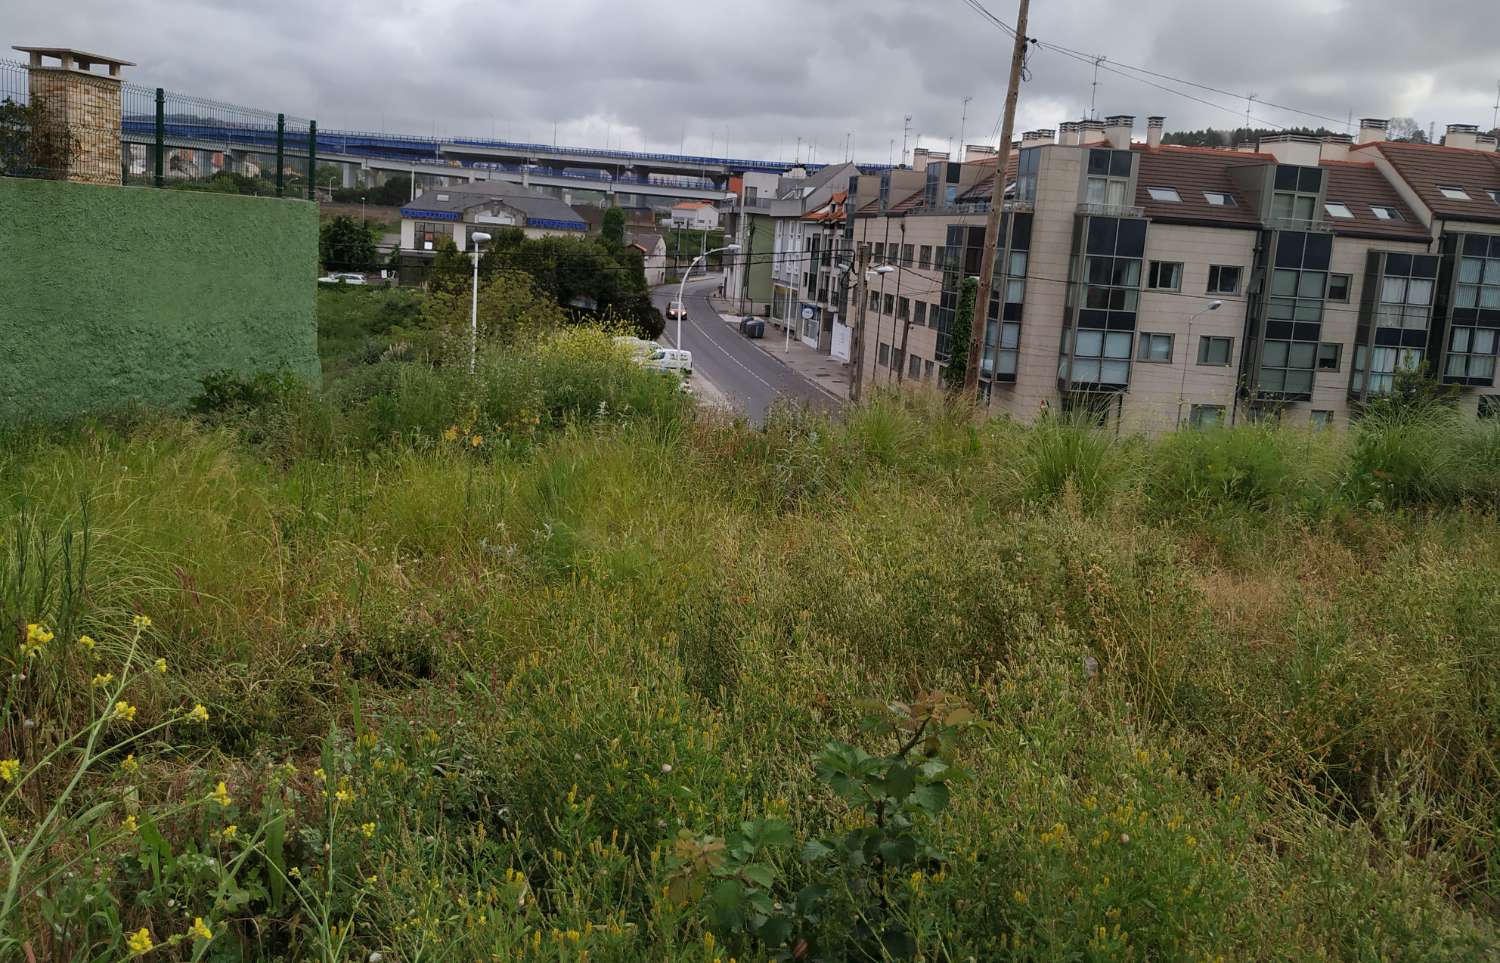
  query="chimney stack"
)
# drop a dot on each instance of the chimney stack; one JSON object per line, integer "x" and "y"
{"x": 1371, "y": 130}
{"x": 1155, "y": 127}
{"x": 1068, "y": 133}
{"x": 1486, "y": 142}
{"x": 974, "y": 152}
{"x": 75, "y": 135}
{"x": 1091, "y": 132}
{"x": 1117, "y": 130}
{"x": 1461, "y": 135}
{"x": 1335, "y": 147}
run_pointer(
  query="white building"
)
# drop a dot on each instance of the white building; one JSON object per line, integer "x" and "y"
{"x": 457, "y": 211}
{"x": 695, "y": 215}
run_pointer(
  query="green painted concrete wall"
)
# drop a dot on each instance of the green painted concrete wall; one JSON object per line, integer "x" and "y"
{"x": 111, "y": 296}
{"x": 761, "y": 234}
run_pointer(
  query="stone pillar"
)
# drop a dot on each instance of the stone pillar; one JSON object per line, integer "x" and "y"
{"x": 77, "y": 125}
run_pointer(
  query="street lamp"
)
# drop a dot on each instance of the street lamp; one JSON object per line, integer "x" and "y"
{"x": 478, "y": 237}
{"x": 682, "y": 287}
{"x": 1186, "y": 352}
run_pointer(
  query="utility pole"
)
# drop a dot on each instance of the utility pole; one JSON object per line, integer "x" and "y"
{"x": 861, "y": 264}
{"x": 978, "y": 323}
{"x": 963, "y": 125}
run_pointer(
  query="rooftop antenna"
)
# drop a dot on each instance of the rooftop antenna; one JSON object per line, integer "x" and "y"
{"x": 1249, "y": 103}
{"x": 847, "y": 137}
{"x": 905, "y": 133}
{"x": 1495, "y": 117}
{"x": 1094, "y": 88}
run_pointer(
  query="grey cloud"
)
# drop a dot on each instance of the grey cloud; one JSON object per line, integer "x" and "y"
{"x": 770, "y": 72}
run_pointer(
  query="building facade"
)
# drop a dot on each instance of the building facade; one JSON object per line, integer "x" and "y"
{"x": 458, "y": 211}
{"x": 1151, "y": 287}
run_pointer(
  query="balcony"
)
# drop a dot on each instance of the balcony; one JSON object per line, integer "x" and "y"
{"x": 1316, "y": 225}
{"x": 1111, "y": 210}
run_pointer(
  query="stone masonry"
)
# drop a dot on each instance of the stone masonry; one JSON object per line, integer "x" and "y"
{"x": 79, "y": 116}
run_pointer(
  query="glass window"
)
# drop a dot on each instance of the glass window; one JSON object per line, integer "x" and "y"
{"x": 921, "y": 313}
{"x": 1338, "y": 209}
{"x": 1284, "y": 283}
{"x": 883, "y": 356}
{"x": 1453, "y": 193}
{"x": 1154, "y": 348}
{"x": 1219, "y": 198}
{"x": 1385, "y": 213}
{"x": 1329, "y": 353}
{"x": 903, "y": 308}
{"x": 1215, "y": 350}
{"x": 1017, "y": 266}
{"x": 1338, "y": 287}
{"x": 1206, "y": 416}
{"x": 924, "y": 256}
{"x": 1015, "y": 290}
{"x": 1322, "y": 419}
{"x": 1223, "y": 279}
{"x": 1165, "y": 194}
{"x": 1165, "y": 275}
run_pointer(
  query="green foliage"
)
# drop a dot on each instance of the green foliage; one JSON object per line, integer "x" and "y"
{"x": 344, "y": 245}
{"x": 28, "y": 143}
{"x": 613, "y": 230}
{"x": 510, "y": 307}
{"x": 452, "y": 269}
{"x": 959, "y": 334}
{"x": 226, "y": 182}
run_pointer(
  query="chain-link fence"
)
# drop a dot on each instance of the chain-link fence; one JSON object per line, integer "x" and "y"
{"x": 72, "y": 125}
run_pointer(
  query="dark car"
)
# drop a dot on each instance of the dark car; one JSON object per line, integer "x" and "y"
{"x": 675, "y": 310}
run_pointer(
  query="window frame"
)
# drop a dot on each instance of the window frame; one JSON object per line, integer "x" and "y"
{"x": 1153, "y": 275}
{"x": 1174, "y": 198}
{"x": 1196, "y": 413}
{"x": 1348, "y": 288}
{"x": 1338, "y": 356}
{"x": 1348, "y": 212}
{"x": 1385, "y": 212}
{"x": 1453, "y": 192}
{"x": 1145, "y": 339}
{"x": 883, "y": 356}
{"x": 1215, "y": 272}
{"x": 1225, "y": 199}
{"x": 1205, "y": 341}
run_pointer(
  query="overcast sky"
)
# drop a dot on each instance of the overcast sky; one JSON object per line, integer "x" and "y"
{"x": 664, "y": 74}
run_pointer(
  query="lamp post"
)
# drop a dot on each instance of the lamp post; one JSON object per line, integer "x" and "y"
{"x": 862, "y": 302}
{"x": 1187, "y": 350}
{"x": 478, "y": 237}
{"x": 682, "y": 287}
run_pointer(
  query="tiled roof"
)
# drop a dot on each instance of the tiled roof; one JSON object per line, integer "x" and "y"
{"x": 985, "y": 188}
{"x": 1425, "y": 166}
{"x": 1358, "y": 186}
{"x": 1191, "y": 172}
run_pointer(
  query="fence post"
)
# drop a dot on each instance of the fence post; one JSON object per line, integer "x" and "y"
{"x": 160, "y": 160}
{"x": 280, "y": 155}
{"x": 312, "y": 160}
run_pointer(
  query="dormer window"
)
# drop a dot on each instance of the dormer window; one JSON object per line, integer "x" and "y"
{"x": 1165, "y": 194}
{"x": 1453, "y": 193}
{"x": 1219, "y": 198}
{"x": 1385, "y": 213}
{"x": 1494, "y": 196}
{"x": 1338, "y": 209}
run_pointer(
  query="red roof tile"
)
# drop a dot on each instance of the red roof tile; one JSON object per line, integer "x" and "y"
{"x": 1425, "y": 166}
{"x": 1191, "y": 171}
{"x": 1358, "y": 186}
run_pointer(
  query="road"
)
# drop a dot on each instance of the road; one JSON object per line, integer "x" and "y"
{"x": 746, "y": 375}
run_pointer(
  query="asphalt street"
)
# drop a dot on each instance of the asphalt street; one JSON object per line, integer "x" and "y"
{"x": 746, "y": 375}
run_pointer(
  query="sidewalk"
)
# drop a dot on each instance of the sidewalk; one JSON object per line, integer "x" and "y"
{"x": 825, "y": 372}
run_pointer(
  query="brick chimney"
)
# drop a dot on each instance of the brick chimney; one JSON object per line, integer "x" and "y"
{"x": 1117, "y": 130}
{"x": 1461, "y": 135}
{"x": 1155, "y": 127}
{"x": 76, "y": 132}
{"x": 1371, "y": 130}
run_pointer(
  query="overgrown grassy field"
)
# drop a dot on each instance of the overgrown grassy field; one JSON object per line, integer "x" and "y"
{"x": 547, "y": 666}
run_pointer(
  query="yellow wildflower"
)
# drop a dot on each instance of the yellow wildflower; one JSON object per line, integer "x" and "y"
{"x": 319, "y": 774}
{"x": 140, "y": 942}
{"x": 294, "y": 873}
{"x": 161, "y": 666}
{"x": 451, "y": 434}
{"x": 141, "y": 621}
{"x": 102, "y": 679}
{"x": 476, "y": 440}
{"x": 199, "y": 930}
{"x": 230, "y": 831}
{"x": 128, "y": 764}
{"x": 221, "y": 795}
{"x": 368, "y": 829}
{"x": 36, "y": 637}
{"x": 344, "y": 795}
{"x": 9, "y": 768}
{"x": 1020, "y": 897}
{"x": 124, "y": 710}
{"x": 129, "y": 824}
{"x": 198, "y": 713}
{"x": 86, "y": 642}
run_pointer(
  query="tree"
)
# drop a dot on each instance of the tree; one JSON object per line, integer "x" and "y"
{"x": 1405, "y": 130}
{"x": 344, "y": 245}
{"x": 330, "y": 176}
{"x": 613, "y": 230}
{"x": 958, "y": 334}
{"x": 510, "y": 306}
{"x": 450, "y": 268}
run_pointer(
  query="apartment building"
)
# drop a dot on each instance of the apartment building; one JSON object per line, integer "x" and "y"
{"x": 1151, "y": 286}
{"x": 799, "y": 250}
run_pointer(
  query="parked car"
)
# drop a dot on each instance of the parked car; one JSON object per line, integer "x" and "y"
{"x": 343, "y": 277}
{"x": 670, "y": 359}
{"x": 675, "y": 310}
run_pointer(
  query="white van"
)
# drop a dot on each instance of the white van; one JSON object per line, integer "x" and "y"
{"x": 670, "y": 359}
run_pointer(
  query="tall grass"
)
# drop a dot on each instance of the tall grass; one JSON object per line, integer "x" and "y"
{"x": 1238, "y": 688}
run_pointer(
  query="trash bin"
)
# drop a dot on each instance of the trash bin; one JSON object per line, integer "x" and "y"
{"x": 755, "y": 328}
